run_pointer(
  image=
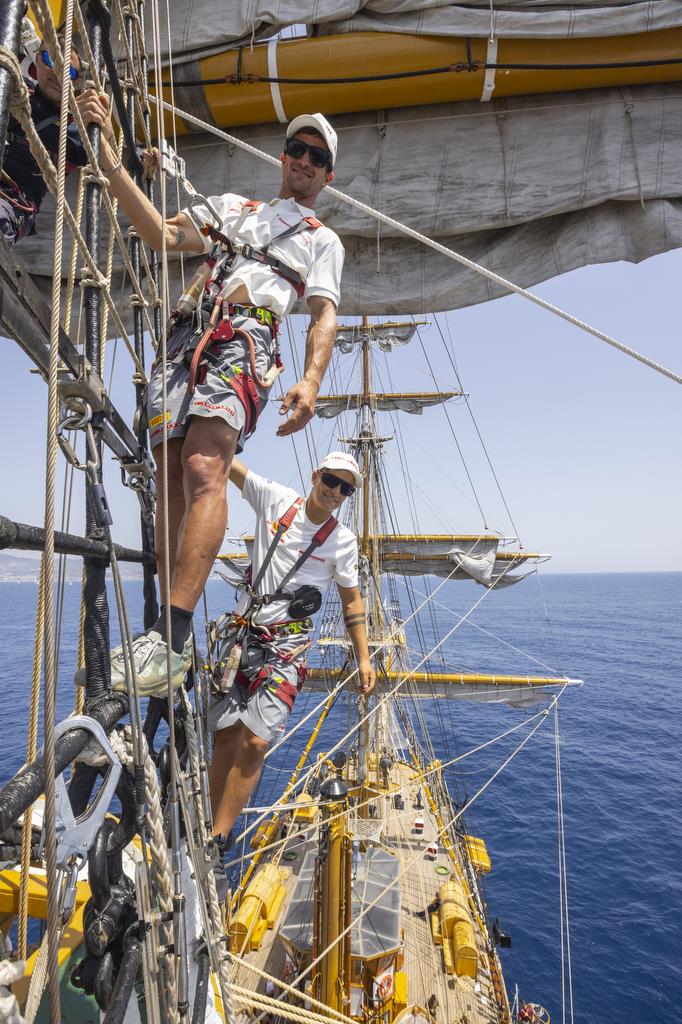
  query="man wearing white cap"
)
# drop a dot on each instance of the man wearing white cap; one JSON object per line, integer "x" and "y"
{"x": 299, "y": 548}
{"x": 223, "y": 356}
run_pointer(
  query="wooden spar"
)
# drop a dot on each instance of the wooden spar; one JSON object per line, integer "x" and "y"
{"x": 475, "y": 679}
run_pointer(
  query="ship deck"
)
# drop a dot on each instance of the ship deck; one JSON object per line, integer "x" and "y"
{"x": 453, "y": 999}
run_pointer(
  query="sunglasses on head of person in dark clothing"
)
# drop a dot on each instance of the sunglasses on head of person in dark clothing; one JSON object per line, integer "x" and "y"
{"x": 47, "y": 61}
{"x": 332, "y": 481}
{"x": 319, "y": 157}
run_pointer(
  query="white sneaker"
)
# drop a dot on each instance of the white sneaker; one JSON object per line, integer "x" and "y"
{"x": 151, "y": 666}
{"x": 150, "y": 653}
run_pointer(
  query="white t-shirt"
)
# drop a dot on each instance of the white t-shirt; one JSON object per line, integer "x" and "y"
{"x": 316, "y": 254}
{"x": 336, "y": 559}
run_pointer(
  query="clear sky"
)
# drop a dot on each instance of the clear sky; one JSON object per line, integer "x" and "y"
{"x": 583, "y": 440}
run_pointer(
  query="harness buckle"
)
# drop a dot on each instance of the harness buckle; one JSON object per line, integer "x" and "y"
{"x": 224, "y": 331}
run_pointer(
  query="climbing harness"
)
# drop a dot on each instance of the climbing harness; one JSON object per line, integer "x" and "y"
{"x": 209, "y": 289}
{"x": 233, "y": 248}
{"x": 247, "y": 661}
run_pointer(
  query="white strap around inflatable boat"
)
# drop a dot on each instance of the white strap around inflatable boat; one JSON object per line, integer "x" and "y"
{"x": 489, "y": 80}
{"x": 274, "y": 86}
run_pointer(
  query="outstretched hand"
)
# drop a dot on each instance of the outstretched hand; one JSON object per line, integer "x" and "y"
{"x": 366, "y": 677}
{"x": 300, "y": 402}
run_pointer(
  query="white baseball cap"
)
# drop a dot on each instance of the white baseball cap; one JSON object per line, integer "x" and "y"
{"x": 342, "y": 460}
{"x": 321, "y": 124}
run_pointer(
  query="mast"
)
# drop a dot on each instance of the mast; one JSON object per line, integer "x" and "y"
{"x": 334, "y": 903}
{"x": 365, "y": 448}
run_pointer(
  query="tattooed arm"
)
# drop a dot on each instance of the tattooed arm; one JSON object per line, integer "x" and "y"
{"x": 355, "y": 622}
{"x": 180, "y": 234}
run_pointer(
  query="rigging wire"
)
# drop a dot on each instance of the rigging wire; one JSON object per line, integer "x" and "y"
{"x": 453, "y": 363}
{"x": 494, "y": 636}
{"x": 566, "y": 968}
{"x": 418, "y": 856}
{"x": 391, "y": 693}
{"x": 478, "y": 268}
{"x": 452, "y": 429}
{"x": 178, "y": 997}
{"x": 423, "y": 774}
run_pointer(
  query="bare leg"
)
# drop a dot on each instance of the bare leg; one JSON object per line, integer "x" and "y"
{"x": 234, "y": 773}
{"x": 176, "y": 508}
{"x": 207, "y": 454}
{"x": 225, "y": 746}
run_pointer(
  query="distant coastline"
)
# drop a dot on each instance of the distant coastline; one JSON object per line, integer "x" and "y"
{"x": 26, "y": 569}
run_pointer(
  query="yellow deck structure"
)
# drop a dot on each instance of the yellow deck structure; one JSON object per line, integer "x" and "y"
{"x": 467, "y": 985}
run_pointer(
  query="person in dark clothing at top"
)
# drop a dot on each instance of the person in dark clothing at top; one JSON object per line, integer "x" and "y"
{"x": 22, "y": 187}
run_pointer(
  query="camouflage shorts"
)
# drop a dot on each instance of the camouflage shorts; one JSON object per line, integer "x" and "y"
{"x": 213, "y": 394}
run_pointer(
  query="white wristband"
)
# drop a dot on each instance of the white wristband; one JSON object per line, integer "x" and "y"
{"x": 113, "y": 170}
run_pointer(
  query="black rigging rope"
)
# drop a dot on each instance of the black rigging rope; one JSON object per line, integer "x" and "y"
{"x": 472, "y": 66}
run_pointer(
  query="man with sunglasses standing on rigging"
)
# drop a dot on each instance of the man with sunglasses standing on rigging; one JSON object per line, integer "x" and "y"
{"x": 22, "y": 187}
{"x": 223, "y": 357}
{"x": 299, "y": 547}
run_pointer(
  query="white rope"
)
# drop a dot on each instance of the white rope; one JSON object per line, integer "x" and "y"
{"x": 450, "y": 253}
{"x": 213, "y": 903}
{"x": 566, "y": 967}
{"x": 10, "y": 971}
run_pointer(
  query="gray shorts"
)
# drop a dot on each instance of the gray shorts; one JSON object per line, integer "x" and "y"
{"x": 264, "y": 713}
{"x": 213, "y": 394}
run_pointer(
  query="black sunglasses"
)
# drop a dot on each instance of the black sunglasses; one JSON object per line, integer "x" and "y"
{"x": 47, "y": 61}
{"x": 319, "y": 157}
{"x": 332, "y": 481}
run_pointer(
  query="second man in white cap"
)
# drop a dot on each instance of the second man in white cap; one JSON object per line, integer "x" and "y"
{"x": 299, "y": 548}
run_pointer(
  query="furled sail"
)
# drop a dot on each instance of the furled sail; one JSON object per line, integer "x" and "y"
{"x": 450, "y": 556}
{"x": 531, "y": 185}
{"x": 387, "y": 336}
{"x": 329, "y": 406}
{"x": 200, "y": 27}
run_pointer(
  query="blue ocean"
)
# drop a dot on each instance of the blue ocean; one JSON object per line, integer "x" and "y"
{"x": 620, "y": 757}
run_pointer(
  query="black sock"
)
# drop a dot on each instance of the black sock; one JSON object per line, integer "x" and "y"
{"x": 181, "y": 624}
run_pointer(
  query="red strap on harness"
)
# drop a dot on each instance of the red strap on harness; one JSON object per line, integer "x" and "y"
{"x": 312, "y": 222}
{"x": 244, "y": 388}
{"x": 325, "y": 531}
{"x": 287, "y": 519}
{"x": 287, "y": 692}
